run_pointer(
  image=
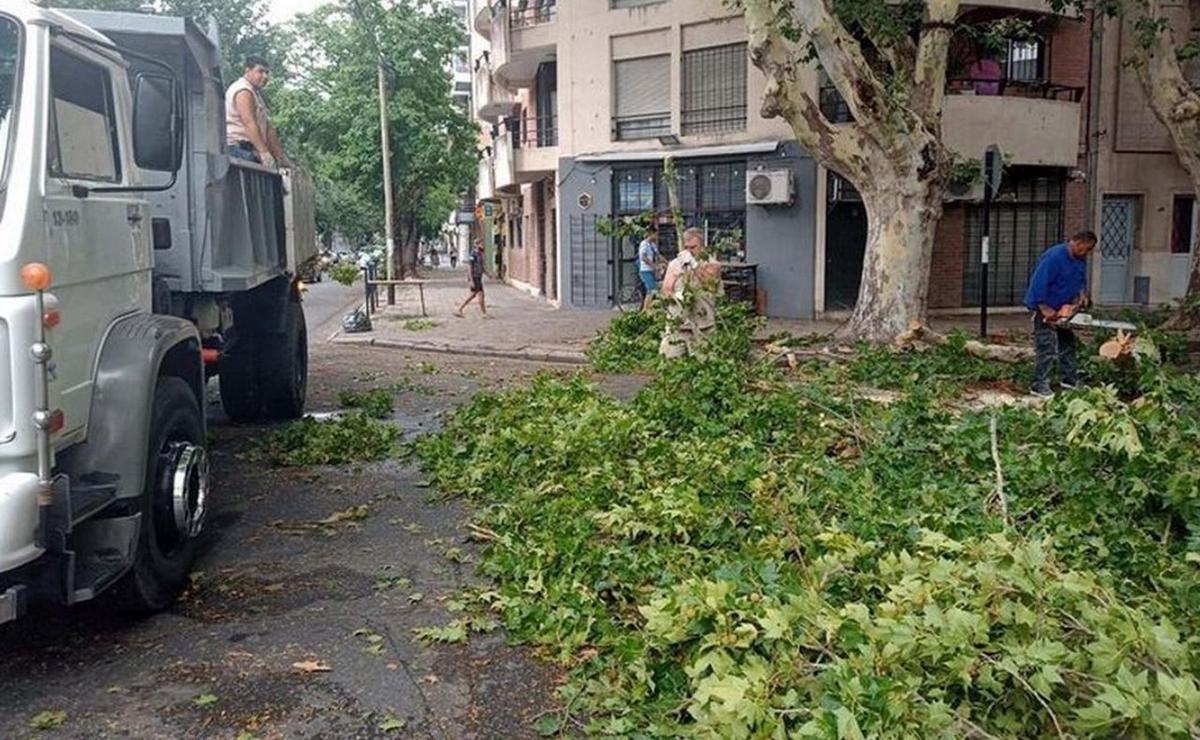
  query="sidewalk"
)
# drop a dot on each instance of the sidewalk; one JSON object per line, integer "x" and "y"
{"x": 521, "y": 327}
{"x": 528, "y": 328}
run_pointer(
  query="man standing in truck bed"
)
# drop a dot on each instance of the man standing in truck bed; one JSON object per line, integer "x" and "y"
{"x": 248, "y": 128}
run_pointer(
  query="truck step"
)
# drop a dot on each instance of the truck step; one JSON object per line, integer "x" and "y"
{"x": 74, "y": 502}
{"x": 104, "y": 549}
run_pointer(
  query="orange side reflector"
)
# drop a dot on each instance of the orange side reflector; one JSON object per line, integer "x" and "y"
{"x": 52, "y": 318}
{"x": 36, "y": 276}
{"x": 210, "y": 356}
{"x": 57, "y": 421}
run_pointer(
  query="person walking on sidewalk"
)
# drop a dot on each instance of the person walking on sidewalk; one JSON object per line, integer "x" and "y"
{"x": 1057, "y": 290}
{"x": 649, "y": 259}
{"x": 475, "y": 281}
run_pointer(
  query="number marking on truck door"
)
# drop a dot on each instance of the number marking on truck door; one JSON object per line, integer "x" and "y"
{"x": 65, "y": 218}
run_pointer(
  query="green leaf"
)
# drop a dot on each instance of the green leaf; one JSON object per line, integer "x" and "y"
{"x": 391, "y": 723}
{"x": 548, "y": 725}
{"x": 205, "y": 700}
{"x": 451, "y": 634}
{"x": 48, "y": 720}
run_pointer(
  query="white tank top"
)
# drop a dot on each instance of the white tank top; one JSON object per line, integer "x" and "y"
{"x": 235, "y": 131}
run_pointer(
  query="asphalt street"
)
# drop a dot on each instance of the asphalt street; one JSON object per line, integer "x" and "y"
{"x": 279, "y": 595}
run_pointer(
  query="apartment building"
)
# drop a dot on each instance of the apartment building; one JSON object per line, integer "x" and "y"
{"x": 457, "y": 231}
{"x": 582, "y": 101}
{"x": 1145, "y": 206}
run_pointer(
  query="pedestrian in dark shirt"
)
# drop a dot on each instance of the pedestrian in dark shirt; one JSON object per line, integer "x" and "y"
{"x": 1057, "y": 290}
{"x": 475, "y": 281}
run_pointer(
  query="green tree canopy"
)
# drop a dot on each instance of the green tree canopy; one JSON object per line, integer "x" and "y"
{"x": 329, "y": 115}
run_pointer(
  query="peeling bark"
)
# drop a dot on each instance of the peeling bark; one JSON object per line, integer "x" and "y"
{"x": 892, "y": 153}
{"x": 902, "y": 217}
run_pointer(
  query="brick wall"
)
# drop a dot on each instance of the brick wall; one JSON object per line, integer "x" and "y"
{"x": 949, "y": 252}
{"x": 1070, "y": 64}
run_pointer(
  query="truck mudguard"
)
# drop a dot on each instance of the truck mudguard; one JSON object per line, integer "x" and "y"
{"x": 263, "y": 310}
{"x": 137, "y": 350}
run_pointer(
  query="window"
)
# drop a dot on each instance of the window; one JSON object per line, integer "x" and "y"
{"x": 1183, "y": 217}
{"x": 10, "y": 74}
{"x": 1026, "y": 60}
{"x": 714, "y": 90}
{"x": 83, "y": 130}
{"x": 1026, "y": 219}
{"x": 643, "y": 98}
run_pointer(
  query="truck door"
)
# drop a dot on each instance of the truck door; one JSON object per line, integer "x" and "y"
{"x": 97, "y": 243}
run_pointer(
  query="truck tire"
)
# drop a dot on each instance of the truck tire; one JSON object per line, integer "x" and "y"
{"x": 239, "y": 384}
{"x": 173, "y": 502}
{"x": 283, "y": 367}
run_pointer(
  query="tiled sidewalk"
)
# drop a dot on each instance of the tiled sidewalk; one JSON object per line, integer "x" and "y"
{"x": 527, "y": 327}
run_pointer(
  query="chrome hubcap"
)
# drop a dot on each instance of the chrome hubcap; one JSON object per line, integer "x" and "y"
{"x": 189, "y": 487}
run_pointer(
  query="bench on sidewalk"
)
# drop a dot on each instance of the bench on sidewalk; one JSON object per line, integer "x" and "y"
{"x": 373, "y": 296}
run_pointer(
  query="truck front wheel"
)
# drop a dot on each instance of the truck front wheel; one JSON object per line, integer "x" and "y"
{"x": 282, "y": 365}
{"x": 173, "y": 502}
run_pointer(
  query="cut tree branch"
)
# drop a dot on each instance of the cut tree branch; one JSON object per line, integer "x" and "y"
{"x": 921, "y": 334}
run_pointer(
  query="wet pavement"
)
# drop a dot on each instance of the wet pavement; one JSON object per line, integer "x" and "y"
{"x": 274, "y": 587}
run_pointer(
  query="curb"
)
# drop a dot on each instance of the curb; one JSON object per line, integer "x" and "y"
{"x": 560, "y": 356}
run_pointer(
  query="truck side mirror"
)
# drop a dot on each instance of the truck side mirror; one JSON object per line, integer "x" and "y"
{"x": 157, "y": 124}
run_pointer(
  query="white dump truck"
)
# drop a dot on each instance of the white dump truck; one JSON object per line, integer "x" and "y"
{"x": 137, "y": 260}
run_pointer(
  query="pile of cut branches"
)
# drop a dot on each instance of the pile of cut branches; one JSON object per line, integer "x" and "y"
{"x": 740, "y": 552}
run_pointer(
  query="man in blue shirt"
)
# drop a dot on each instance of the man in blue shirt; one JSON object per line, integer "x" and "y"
{"x": 1057, "y": 290}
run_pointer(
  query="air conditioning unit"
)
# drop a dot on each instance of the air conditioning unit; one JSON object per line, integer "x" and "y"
{"x": 769, "y": 188}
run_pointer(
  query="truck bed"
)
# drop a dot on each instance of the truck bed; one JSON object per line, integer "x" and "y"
{"x": 233, "y": 225}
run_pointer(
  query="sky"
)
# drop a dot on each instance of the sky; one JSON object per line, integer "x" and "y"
{"x": 283, "y": 10}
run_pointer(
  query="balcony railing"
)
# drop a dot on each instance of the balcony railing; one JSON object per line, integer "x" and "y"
{"x": 834, "y": 106}
{"x": 528, "y": 13}
{"x": 533, "y": 132}
{"x": 1014, "y": 88}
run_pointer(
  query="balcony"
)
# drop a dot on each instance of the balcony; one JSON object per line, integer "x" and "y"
{"x": 1033, "y": 123}
{"x": 485, "y": 186}
{"x": 504, "y": 166}
{"x": 492, "y": 102}
{"x": 481, "y": 11}
{"x": 1038, "y": 7}
{"x": 535, "y": 141}
{"x": 523, "y": 38}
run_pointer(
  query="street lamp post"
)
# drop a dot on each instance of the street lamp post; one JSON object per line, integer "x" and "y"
{"x": 388, "y": 205}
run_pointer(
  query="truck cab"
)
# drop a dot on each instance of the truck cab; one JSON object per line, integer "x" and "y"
{"x": 136, "y": 262}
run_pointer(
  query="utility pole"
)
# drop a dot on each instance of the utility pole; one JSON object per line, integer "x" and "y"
{"x": 388, "y": 206}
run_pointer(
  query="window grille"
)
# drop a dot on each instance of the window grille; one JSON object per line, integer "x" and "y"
{"x": 714, "y": 90}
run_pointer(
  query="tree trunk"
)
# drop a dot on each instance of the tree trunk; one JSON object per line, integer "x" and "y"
{"x": 406, "y": 249}
{"x": 902, "y": 217}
